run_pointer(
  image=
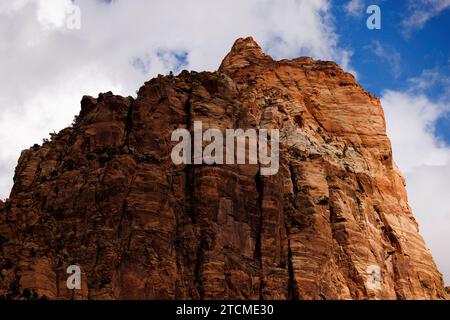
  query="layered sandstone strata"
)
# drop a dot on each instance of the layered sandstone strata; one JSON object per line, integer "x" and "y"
{"x": 105, "y": 195}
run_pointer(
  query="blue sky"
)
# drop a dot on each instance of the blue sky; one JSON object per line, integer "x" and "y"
{"x": 408, "y": 55}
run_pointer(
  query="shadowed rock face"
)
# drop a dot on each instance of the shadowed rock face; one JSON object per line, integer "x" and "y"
{"x": 105, "y": 195}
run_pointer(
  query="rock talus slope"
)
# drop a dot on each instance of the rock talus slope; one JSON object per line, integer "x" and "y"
{"x": 104, "y": 194}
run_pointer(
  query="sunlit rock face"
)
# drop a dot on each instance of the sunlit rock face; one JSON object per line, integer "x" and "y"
{"x": 103, "y": 194}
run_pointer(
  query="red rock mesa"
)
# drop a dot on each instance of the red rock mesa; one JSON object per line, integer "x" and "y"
{"x": 334, "y": 223}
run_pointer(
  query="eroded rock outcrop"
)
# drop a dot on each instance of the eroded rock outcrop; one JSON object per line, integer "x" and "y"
{"x": 105, "y": 195}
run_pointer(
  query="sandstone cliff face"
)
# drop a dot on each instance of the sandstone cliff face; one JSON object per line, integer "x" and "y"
{"x": 105, "y": 195}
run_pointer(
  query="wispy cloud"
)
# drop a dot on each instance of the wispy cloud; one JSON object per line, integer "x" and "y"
{"x": 388, "y": 55}
{"x": 420, "y": 12}
{"x": 431, "y": 81}
{"x": 354, "y": 8}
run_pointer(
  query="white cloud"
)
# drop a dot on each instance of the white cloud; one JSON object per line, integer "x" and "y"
{"x": 52, "y": 13}
{"x": 420, "y": 12}
{"x": 355, "y": 8}
{"x": 411, "y": 127}
{"x": 8, "y": 7}
{"x": 46, "y": 68}
{"x": 425, "y": 161}
{"x": 428, "y": 191}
